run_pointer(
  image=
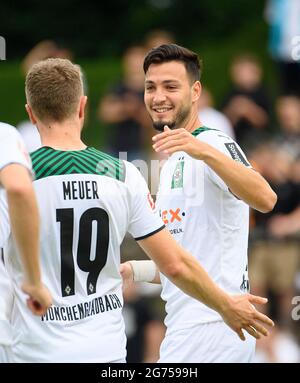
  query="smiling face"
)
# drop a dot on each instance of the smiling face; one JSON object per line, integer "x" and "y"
{"x": 169, "y": 95}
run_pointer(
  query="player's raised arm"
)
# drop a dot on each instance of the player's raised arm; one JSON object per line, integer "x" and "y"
{"x": 245, "y": 183}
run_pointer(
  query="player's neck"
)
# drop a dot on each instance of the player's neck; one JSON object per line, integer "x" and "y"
{"x": 63, "y": 144}
{"x": 63, "y": 136}
{"x": 192, "y": 124}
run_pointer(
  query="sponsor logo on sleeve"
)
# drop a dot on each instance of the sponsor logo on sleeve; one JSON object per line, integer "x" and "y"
{"x": 235, "y": 153}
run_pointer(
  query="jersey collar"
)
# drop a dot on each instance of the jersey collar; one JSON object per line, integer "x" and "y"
{"x": 201, "y": 130}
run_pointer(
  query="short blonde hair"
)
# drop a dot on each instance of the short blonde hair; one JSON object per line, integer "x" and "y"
{"x": 53, "y": 89}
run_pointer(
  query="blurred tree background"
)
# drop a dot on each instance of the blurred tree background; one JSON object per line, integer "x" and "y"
{"x": 99, "y": 32}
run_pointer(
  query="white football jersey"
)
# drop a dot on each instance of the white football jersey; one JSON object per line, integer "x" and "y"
{"x": 12, "y": 151}
{"x": 208, "y": 221}
{"x": 88, "y": 201}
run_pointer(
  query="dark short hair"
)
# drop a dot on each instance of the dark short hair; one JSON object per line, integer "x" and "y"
{"x": 172, "y": 52}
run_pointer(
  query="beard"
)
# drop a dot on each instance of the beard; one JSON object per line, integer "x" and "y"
{"x": 159, "y": 125}
{"x": 176, "y": 123}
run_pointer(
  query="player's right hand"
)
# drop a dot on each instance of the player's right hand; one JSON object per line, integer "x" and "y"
{"x": 240, "y": 314}
{"x": 39, "y": 299}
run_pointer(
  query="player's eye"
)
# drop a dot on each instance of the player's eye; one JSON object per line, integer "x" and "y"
{"x": 172, "y": 87}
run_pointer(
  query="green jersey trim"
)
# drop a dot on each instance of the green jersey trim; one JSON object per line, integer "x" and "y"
{"x": 47, "y": 162}
{"x": 202, "y": 129}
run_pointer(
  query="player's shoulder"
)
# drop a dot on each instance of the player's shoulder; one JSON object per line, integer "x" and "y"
{"x": 48, "y": 161}
{"x": 7, "y": 131}
{"x": 223, "y": 143}
{"x": 209, "y": 134}
{"x": 214, "y": 137}
{"x": 132, "y": 173}
{"x": 108, "y": 165}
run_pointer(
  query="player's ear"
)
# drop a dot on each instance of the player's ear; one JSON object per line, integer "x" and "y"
{"x": 196, "y": 89}
{"x": 30, "y": 114}
{"x": 82, "y": 104}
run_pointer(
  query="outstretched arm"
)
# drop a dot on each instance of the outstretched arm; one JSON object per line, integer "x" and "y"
{"x": 139, "y": 271}
{"x": 187, "y": 274}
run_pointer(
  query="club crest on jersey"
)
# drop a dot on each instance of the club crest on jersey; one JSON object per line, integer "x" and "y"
{"x": 177, "y": 179}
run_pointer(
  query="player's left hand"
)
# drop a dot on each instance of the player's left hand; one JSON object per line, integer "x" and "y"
{"x": 171, "y": 141}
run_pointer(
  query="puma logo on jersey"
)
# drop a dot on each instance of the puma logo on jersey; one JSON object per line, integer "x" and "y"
{"x": 80, "y": 190}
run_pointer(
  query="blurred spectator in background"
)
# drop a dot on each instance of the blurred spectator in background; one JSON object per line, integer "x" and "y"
{"x": 284, "y": 19}
{"x": 124, "y": 111}
{"x": 278, "y": 347}
{"x": 43, "y": 50}
{"x": 158, "y": 37}
{"x": 275, "y": 251}
{"x": 144, "y": 330}
{"x": 288, "y": 116}
{"x": 211, "y": 117}
{"x": 247, "y": 104}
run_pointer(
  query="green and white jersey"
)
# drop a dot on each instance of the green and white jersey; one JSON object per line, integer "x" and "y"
{"x": 88, "y": 201}
{"x": 12, "y": 151}
{"x": 12, "y": 148}
{"x": 208, "y": 221}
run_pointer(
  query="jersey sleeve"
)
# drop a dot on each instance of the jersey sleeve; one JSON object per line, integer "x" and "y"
{"x": 144, "y": 220}
{"x": 227, "y": 146}
{"x": 4, "y": 220}
{"x": 12, "y": 149}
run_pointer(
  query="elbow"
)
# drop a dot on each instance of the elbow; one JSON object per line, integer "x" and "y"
{"x": 268, "y": 202}
{"x": 173, "y": 270}
{"x": 17, "y": 190}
